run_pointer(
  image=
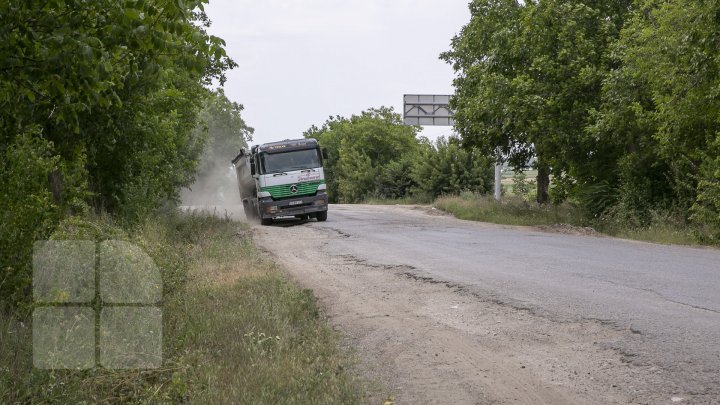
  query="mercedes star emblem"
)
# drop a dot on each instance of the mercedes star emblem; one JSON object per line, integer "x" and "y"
{"x": 293, "y": 188}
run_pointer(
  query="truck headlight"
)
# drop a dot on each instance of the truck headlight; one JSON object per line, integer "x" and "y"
{"x": 271, "y": 209}
{"x": 322, "y": 187}
{"x": 264, "y": 194}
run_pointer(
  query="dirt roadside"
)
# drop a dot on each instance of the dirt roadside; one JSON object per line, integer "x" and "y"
{"x": 433, "y": 342}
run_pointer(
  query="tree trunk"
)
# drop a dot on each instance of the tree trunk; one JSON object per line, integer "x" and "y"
{"x": 56, "y": 180}
{"x": 543, "y": 184}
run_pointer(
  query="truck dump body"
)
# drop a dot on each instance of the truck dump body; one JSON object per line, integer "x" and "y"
{"x": 246, "y": 182}
{"x": 282, "y": 179}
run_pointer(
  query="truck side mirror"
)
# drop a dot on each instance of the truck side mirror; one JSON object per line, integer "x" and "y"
{"x": 252, "y": 167}
{"x": 324, "y": 153}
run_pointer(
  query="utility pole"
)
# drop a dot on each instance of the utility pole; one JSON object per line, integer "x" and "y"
{"x": 498, "y": 173}
{"x": 498, "y": 187}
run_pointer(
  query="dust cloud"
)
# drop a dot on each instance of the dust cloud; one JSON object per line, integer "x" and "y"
{"x": 215, "y": 189}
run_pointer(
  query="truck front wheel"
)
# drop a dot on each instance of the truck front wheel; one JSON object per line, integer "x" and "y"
{"x": 249, "y": 213}
{"x": 263, "y": 221}
{"x": 322, "y": 216}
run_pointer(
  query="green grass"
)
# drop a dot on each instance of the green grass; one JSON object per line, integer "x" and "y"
{"x": 408, "y": 200}
{"x": 664, "y": 227}
{"x": 660, "y": 234}
{"x": 234, "y": 330}
{"x": 514, "y": 210}
{"x": 510, "y": 211}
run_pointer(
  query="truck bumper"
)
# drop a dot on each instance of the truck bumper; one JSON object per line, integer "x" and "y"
{"x": 293, "y": 206}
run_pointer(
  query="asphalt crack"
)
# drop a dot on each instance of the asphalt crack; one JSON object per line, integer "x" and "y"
{"x": 651, "y": 291}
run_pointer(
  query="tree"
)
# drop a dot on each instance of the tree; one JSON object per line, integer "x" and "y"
{"x": 661, "y": 110}
{"x": 224, "y": 130}
{"x": 101, "y": 98}
{"x": 117, "y": 82}
{"x": 360, "y": 148}
{"x": 529, "y": 77}
{"x": 221, "y": 133}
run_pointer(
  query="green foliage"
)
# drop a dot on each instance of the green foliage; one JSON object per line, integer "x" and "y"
{"x": 529, "y": 76}
{"x": 660, "y": 112}
{"x": 356, "y": 174}
{"x": 663, "y": 226}
{"x": 374, "y": 155}
{"x": 128, "y": 104}
{"x": 447, "y": 168}
{"x": 395, "y": 181}
{"x": 596, "y": 198}
{"x": 99, "y": 102}
{"x": 617, "y": 99}
{"x": 27, "y": 211}
{"x": 238, "y": 309}
{"x": 226, "y": 131}
{"x": 67, "y": 58}
{"x": 31, "y": 205}
{"x": 221, "y": 134}
{"x": 360, "y": 148}
{"x": 294, "y": 356}
{"x": 670, "y": 50}
{"x": 706, "y": 210}
{"x": 521, "y": 186}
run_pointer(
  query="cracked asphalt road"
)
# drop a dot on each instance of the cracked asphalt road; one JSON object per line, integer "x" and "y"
{"x": 669, "y": 292}
{"x": 645, "y": 317}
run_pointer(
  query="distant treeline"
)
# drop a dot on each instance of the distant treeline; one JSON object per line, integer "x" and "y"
{"x": 374, "y": 155}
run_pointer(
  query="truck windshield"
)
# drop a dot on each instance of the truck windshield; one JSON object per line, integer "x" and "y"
{"x": 289, "y": 161}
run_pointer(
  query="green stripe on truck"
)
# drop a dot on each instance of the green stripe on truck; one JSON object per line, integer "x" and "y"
{"x": 283, "y": 190}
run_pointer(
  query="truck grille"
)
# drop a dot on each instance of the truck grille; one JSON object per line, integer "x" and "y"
{"x": 284, "y": 190}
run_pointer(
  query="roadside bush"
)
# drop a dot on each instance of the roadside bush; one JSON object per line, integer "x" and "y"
{"x": 448, "y": 169}
{"x": 395, "y": 180}
{"x": 706, "y": 210}
{"x": 37, "y": 190}
{"x": 596, "y": 199}
{"x": 356, "y": 175}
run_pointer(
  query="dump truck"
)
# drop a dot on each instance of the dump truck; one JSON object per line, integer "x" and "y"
{"x": 282, "y": 179}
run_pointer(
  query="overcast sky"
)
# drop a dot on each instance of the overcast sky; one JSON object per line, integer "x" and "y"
{"x": 301, "y": 61}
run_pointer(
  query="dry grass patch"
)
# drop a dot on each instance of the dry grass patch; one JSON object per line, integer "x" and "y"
{"x": 235, "y": 330}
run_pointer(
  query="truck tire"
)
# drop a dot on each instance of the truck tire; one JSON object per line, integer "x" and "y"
{"x": 263, "y": 221}
{"x": 322, "y": 216}
{"x": 249, "y": 213}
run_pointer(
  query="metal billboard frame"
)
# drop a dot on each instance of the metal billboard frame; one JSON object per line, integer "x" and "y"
{"x": 427, "y": 109}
